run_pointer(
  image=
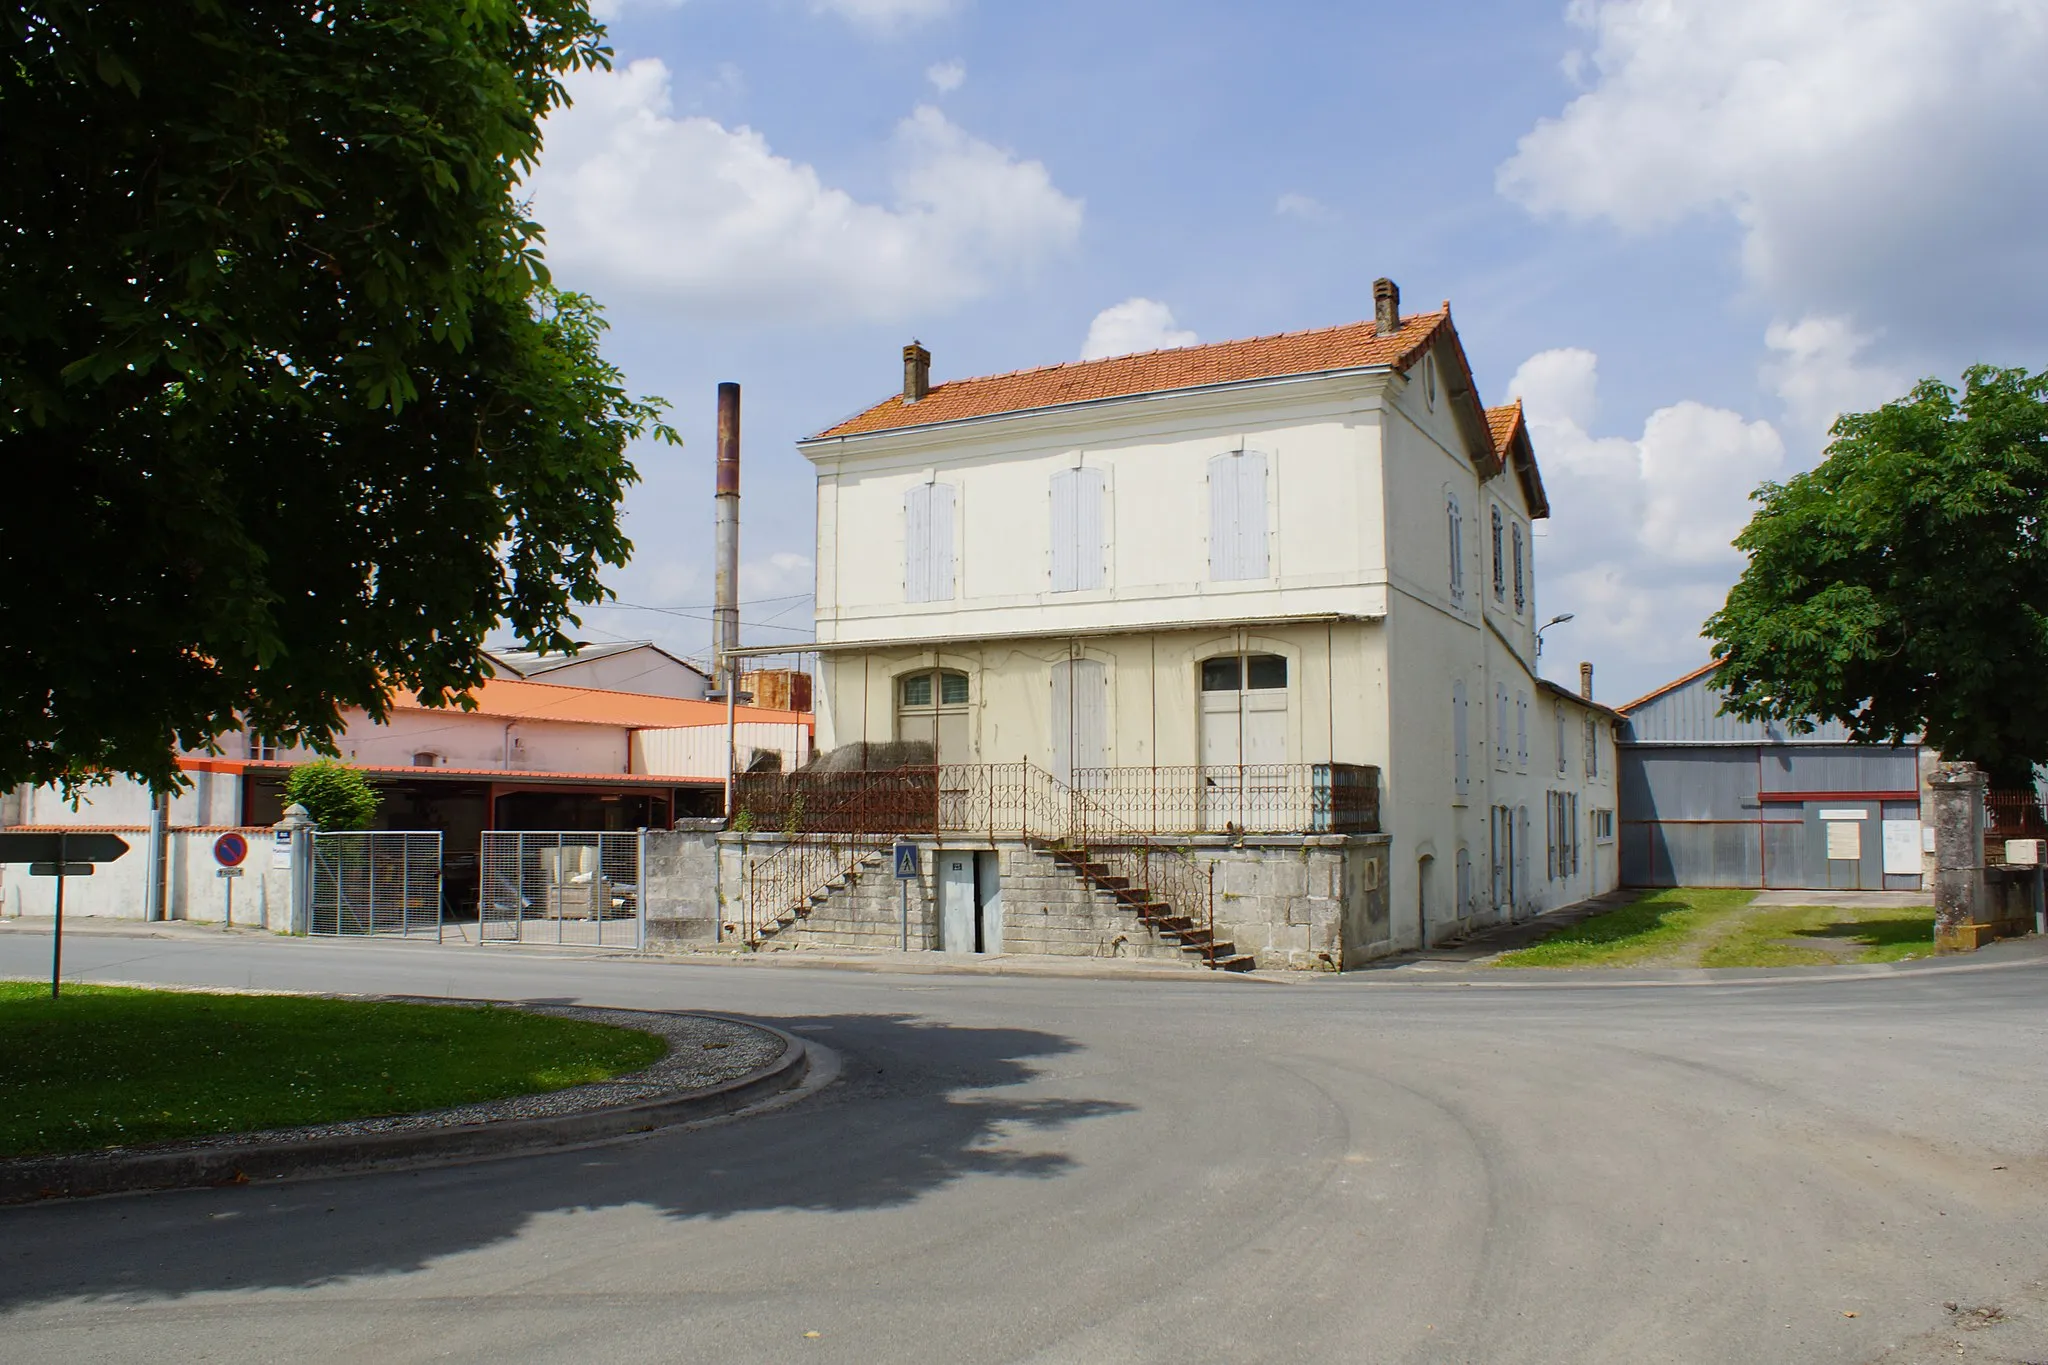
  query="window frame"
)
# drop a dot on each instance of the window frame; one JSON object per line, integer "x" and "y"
{"x": 1455, "y": 516}
{"x": 1500, "y": 568}
{"x": 1521, "y": 567}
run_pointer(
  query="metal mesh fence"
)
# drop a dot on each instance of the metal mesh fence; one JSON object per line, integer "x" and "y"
{"x": 573, "y": 886}
{"x": 377, "y": 882}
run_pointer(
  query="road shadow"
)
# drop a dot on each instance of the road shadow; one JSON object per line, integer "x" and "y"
{"x": 913, "y": 1112}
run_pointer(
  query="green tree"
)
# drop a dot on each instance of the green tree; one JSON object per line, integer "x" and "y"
{"x": 1902, "y": 586}
{"x": 290, "y": 414}
{"x": 334, "y": 794}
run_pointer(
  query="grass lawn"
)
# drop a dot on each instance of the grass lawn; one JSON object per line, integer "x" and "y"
{"x": 1813, "y": 935}
{"x": 105, "y": 1066}
{"x": 1654, "y": 930}
{"x": 1701, "y": 927}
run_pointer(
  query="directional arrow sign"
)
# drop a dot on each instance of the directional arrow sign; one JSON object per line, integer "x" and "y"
{"x": 44, "y": 848}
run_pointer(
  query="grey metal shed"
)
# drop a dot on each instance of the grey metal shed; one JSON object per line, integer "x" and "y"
{"x": 1710, "y": 800}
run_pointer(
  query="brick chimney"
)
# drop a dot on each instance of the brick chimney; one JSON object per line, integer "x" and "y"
{"x": 917, "y": 372}
{"x": 1586, "y": 681}
{"x": 1386, "y": 306}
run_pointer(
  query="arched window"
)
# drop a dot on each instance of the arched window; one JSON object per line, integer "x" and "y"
{"x": 931, "y": 708}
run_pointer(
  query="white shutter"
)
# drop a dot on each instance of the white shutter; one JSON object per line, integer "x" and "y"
{"x": 1089, "y": 487}
{"x": 1500, "y": 725}
{"x": 917, "y": 543}
{"x": 1251, "y": 515}
{"x": 1076, "y": 529}
{"x": 1223, "y": 518}
{"x": 1065, "y": 576}
{"x": 1521, "y": 730}
{"x": 1080, "y": 716}
{"x": 940, "y": 556}
{"x": 1460, "y": 742}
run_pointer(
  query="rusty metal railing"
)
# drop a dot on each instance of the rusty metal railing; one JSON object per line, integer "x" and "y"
{"x": 995, "y": 799}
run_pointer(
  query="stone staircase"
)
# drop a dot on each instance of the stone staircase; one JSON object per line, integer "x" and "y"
{"x": 1198, "y": 940}
{"x": 841, "y": 886}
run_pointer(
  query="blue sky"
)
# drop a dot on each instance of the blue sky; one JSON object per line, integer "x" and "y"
{"x": 1686, "y": 232}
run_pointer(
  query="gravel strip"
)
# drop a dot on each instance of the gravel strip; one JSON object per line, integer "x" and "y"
{"x": 703, "y": 1052}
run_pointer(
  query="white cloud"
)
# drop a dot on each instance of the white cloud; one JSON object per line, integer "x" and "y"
{"x": 946, "y": 77}
{"x": 1133, "y": 325}
{"x": 1818, "y": 373}
{"x": 611, "y": 9}
{"x": 1880, "y": 157}
{"x": 1292, "y": 205}
{"x": 1638, "y": 545}
{"x": 887, "y": 14}
{"x": 709, "y": 217}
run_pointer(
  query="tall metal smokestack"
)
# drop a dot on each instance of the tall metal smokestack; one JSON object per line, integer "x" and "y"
{"x": 725, "y": 611}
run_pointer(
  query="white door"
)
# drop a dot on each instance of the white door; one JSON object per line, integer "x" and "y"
{"x": 1244, "y": 739}
{"x": 956, "y": 902}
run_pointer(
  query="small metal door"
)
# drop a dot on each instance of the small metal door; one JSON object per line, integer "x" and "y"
{"x": 956, "y": 902}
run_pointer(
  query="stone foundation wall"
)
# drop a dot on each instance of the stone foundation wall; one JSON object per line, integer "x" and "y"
{"x": 1048, "y": 908}
{"x": 1315, "y": 902}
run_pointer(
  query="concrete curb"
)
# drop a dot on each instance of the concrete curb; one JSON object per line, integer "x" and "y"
{"x": 30, "y": 1179}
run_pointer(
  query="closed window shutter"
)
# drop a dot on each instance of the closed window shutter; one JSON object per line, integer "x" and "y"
{"x": 1076, "y": 529}
{"x": 1065, "y": 541}
{"x": 1251, "y": 515}
{"x": 1224, "y": 536}
{"x": 1460, "y": 743}
{"x": 917, "y": 543}
{"x": 1089, "y": 557}
{"x": 1500, "y": 725}
{"x": 1522, "y": 730}
{"x": 1457, "y": 536}
{"x": 941, "y": 553}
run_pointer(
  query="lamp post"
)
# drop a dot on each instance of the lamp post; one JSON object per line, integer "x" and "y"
{"x": 1556, "y": 620}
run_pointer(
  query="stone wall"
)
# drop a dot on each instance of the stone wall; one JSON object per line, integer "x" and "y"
{"x": 681, "y": 883}
{"x": 1309, "y": 902}
{"x": 1315, "y": 902}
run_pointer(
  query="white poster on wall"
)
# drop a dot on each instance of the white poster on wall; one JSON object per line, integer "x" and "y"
{"x": 1902, "y": 848}
{"x": 1845, "y": 840}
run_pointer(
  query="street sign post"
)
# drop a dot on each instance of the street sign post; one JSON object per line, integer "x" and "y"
{"x": 51, "y": 855}
{"x": 229, "y": 850}
{"x": 906, "y": 873}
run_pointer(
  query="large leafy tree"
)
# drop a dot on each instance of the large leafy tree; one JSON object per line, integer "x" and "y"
{"x": 1902, "y": 586}
{"x": 290, "y": 414}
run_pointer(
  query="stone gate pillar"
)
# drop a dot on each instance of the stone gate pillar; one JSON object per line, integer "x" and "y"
{"x": 1959, "y": 892}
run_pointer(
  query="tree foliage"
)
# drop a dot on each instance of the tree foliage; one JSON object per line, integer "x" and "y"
{"x": 290, "y": 414}
{"x": 335, "y": 795}
{"x": 1902, "y": 586}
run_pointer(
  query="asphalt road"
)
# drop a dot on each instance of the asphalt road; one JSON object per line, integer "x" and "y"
{"x": 1057, "y": 1170}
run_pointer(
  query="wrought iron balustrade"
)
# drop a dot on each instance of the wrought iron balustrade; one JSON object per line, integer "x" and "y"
{"x": 1001, "y": 800}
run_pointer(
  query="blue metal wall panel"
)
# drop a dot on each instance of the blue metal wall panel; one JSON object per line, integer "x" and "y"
{"x": 1840, "y": 768}
{"x": 1691, "y": 714}
{"x": 1689, "y": 784}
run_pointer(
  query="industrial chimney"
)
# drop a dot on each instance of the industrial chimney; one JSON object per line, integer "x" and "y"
{"x": 1586, "y": 681}
{"x": 1386, "y": 306}
{"x": 725, "y": 610}
{"x": 917, "y": 373}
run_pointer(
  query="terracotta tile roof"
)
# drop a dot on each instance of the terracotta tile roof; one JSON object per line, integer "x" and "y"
{"x": 513, "y": 699}
{"x": 1502, "y": 422}
{"x": 1351, "y": 346}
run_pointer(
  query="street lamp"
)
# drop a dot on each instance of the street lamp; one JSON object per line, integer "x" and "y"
{"x": 1556, "y": 620}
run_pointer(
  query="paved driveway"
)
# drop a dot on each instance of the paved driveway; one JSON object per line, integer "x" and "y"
{"x": 1022, "y": 1169}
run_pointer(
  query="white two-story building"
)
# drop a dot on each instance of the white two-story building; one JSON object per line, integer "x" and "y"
{"x": 1214, "y": 589}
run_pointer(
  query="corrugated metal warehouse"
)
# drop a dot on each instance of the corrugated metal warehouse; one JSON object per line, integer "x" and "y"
{"x": 1709, "y": 800}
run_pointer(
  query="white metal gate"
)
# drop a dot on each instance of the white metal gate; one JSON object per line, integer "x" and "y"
{"x": 376, "y": 882}
{"x": 568, "y": 886}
